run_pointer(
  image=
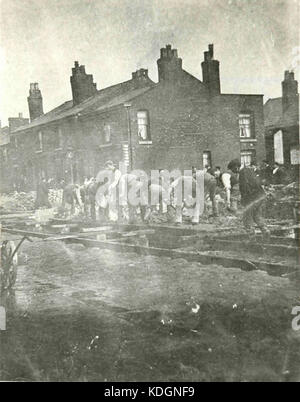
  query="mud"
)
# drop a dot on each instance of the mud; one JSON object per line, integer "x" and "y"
{"x": 81, "y": 314}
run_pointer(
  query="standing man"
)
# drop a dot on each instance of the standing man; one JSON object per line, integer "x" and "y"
{"x": 252, "y": 199}
{"x": 279, "y": 175}
{"x": 107, "y": 197}
{"x": 265, "y": 172}
{"x": 42, "y": 193}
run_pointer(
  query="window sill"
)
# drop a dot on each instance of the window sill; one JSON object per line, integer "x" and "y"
{"x": 58, "y": 149}
{"x": 145, "y": 142}
{"x": 39, "y": 151}
{"x": 248, "y": 139}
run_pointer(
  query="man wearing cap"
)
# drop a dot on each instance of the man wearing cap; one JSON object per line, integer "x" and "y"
{"x": 253, "y": 197}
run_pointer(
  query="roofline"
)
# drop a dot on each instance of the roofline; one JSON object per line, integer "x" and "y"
{"x": 191, "y": 75}
{"x": 20, "y": 129}
{"x": 119, "y": 104}
{"x": 241, "y": 94}
{"x": 272, "y": 99}
{"x": 81, "y": 115}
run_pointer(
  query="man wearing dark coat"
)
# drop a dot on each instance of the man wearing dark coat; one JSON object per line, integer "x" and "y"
{"x": 42, "y": 192}
{"x": 252, "y": 198}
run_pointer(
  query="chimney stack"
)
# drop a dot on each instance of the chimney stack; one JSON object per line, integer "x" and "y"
{"x": 16, "y": 122}
{"x": 289, "y": 91}
{"x": 35, "y": 102}
{"x": 82, "y": 84}
{"x": 210, "y": 71}
{"x": 169, "y": 64}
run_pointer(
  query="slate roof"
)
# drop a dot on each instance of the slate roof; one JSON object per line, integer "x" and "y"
{"x": 104, "y": 99}
{"x": 4, "y": 136}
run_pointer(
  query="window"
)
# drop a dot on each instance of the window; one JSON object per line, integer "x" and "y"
{"x": 295, "y": 155}
{"x": 247, "y": 157}
{"x": 107, "y": 133}
{"x": 39, "y": 145}
{"x": 206, "y": 159}
{"x": 59, "y": 139}
{"x": 143, "y": 126}
{"x": 15, "y": 142}
{"x": 5, "y": 156}
{"x": 278, "y": 147}
{"x": 245, "y": 125}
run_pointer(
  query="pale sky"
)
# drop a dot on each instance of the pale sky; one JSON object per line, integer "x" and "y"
{"x": 254, "y": 40}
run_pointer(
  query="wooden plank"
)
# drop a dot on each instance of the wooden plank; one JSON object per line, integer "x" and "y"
{"x": 27, "y": 233}
{"x": 202, "y": 257}
{"x": 287, "y": 241}
{"x": 97, "y": 229}
{"x": 14, "y": 215}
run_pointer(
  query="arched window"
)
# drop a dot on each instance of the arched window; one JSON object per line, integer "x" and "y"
{"x": 143, "y": 126}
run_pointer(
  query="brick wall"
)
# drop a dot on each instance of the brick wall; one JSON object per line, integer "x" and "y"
{"x": 185, "y": 122}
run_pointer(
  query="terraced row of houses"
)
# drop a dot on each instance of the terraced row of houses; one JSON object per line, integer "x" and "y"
{"x": 178, "y": 122}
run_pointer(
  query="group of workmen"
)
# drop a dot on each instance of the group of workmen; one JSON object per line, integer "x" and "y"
{"x": 244, "y": 184}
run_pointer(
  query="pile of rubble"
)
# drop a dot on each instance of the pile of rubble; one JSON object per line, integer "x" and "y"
{"x": 17, "y": 201}
{"x": 55, "y": 197}
{"x": 20, "y": 201}
{"x": 283, "y": 201}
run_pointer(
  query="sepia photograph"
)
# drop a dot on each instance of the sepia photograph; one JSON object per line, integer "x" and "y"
{"x": 149, "y": 193}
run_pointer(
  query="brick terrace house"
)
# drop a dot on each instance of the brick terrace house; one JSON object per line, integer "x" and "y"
{"x": 8, "y": 155}
{"x": 178, "y": 122}
{"x": 282, "y": 124}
